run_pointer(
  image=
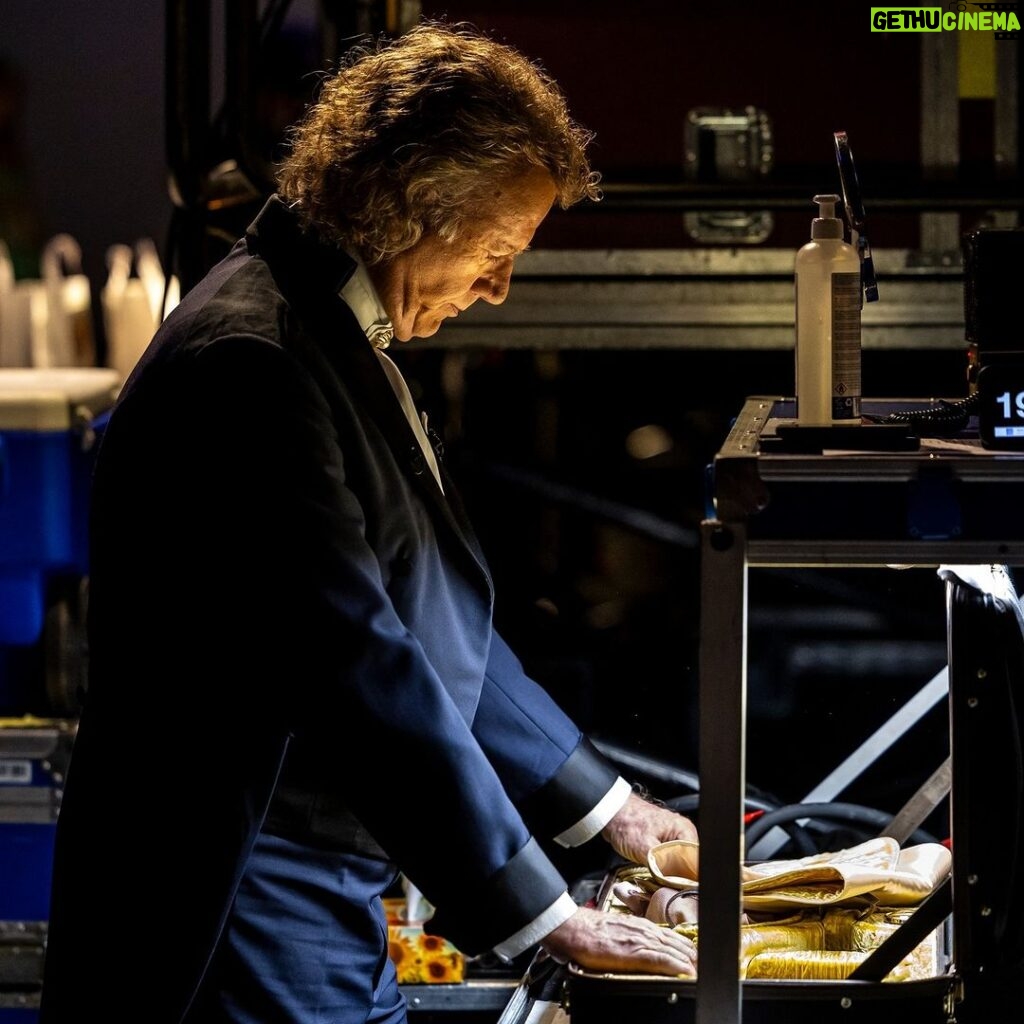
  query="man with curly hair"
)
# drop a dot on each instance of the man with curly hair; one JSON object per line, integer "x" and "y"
{"x": 290, "y": 616}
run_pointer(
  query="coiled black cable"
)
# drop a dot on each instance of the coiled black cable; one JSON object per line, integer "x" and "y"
{"x": 802, "y": 840}
{"x": 940, "y": 419}
{"x": 834, "y": 812}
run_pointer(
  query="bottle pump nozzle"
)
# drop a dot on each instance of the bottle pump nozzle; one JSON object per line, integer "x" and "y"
{"x": 826, "y": 224}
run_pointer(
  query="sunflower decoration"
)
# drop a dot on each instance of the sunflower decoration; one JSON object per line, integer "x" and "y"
{"x": 402, "y": 951}
{"x": 439, "y": 962}
{"x": 420, "y": 958}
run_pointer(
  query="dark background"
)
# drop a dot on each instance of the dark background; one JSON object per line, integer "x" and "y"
{"x": 85, "y": 123}
{"x": 593, "y": 549}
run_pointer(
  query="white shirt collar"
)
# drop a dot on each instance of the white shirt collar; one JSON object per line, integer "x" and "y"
{"x": 361, "y": 297}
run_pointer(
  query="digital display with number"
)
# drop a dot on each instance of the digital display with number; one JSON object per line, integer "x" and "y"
{"x": 1001, "y": 405}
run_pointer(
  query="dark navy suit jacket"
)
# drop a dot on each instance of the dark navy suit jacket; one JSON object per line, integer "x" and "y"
{"x": 276, "y": 579}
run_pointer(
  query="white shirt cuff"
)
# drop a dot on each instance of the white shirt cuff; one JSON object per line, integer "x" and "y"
{"x": 586, "y": 828}
{"x": 558, "y": 913}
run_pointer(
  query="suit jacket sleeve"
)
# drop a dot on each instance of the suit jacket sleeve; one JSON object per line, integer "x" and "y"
{"x": 551, "y": 771}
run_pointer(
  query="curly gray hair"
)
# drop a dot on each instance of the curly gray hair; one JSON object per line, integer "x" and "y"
{"x": 411, "y": 135}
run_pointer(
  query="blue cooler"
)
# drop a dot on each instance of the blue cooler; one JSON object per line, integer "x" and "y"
{"x": 49, "y": 419}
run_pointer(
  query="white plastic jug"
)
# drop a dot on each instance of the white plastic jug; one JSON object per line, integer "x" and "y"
{"x": 134, "y": 302}
{"x": 68, "y": 339}
{"x": 23, "y": 315}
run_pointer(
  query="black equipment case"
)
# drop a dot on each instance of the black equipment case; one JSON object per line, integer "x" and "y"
{"x": 980, "y": 906}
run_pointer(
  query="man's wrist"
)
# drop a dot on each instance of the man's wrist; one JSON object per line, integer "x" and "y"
{"x": 558, "y": 913}
{"x": 586, "y": 828}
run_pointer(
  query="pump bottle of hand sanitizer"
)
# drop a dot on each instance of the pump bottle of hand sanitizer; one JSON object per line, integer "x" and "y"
{"x": 828, "y": 303}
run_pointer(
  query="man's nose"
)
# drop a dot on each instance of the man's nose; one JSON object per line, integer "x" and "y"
{"x": 494, "y": 285}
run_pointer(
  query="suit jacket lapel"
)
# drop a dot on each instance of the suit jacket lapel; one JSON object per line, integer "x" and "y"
{"x": 355, "y": 362}
{"x": 312, "y": 274}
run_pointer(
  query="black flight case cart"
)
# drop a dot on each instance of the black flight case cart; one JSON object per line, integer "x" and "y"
{"x": 900, "y": 500}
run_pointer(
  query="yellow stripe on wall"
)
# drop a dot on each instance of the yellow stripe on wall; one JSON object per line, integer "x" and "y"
{"x": 976, "y": 65}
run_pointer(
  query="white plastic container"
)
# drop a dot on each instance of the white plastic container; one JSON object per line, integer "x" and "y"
{"x": 134, "y": 305}
{"x": 23, "y": 315}
{"x": 68, "y": 340}
{"x": 828, "y": 303}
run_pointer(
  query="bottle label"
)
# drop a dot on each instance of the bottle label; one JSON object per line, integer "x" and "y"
{"x": 846, "y": 346}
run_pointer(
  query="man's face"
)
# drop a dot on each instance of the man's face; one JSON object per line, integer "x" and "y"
{"x": 435, "y": 279}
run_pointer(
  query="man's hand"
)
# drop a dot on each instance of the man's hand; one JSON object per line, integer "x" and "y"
{"x": 601, "y": 941}
{"x": 641, "y": 825}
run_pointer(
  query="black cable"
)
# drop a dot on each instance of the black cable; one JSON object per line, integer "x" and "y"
{"x": 690, "y": 802}
{"x": 941, "y": 419}
{"x": 799, "y": 836}
{"x": 844, "y": 813}
{"x": 786, "y": 816}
